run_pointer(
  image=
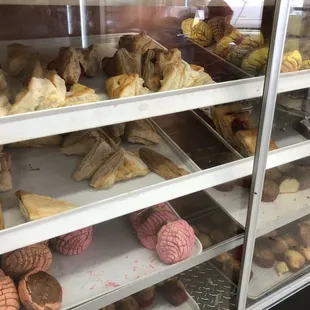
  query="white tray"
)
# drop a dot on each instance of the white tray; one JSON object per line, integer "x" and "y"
{"x": 97, "y": 271}
{"x": 54, "y": 178}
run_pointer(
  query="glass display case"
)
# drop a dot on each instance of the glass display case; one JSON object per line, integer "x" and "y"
{"x": 154, "y": 154}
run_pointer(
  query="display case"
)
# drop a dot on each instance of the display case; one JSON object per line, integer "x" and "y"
{"x": 154, "y": 154}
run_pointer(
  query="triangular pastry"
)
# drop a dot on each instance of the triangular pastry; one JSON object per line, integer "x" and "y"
{"x": 34, "y": 207}
{"x": 80, "y": 94}
{"x": 39, "y": 142}
{"x": 139, "y": 43}
{"x": 131, "y": 168}
{"x": 92, "y": 161}
{"x": 117, "y": 130}
{"x": 124, "y": 85}
{"x": 142, "y": 131}
{"x": 106, "y": 175}
{"x": 90, "y": 60}
{"x": 231, "y": 123}
{"x": 245, "y": 141}
{"x": 112, "y": 143}
{"x": 218, "y": 112}
{"x": 79, "y": 143}
{"x": 5, "y": 106}
{"x": 5, "y": 172}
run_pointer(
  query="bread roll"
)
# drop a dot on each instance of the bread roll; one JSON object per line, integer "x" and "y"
{"x": 270, "y": 191}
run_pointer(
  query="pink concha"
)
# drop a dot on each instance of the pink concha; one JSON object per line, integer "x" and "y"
{"x": 135, "y": 218}
{"x": 73, "y": 243}
{"x": 147, "y": 232}
{"x": 175, "y": 242}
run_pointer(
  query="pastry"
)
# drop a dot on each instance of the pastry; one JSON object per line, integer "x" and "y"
{"x": 245, "y": 141}
{"x": 270, "y": 191}
{"x": 281, "y": 268}
{"x": 79, "y": 94}
{"x": 177, "y": 76}
{"x": 205, "y": 240}
{"x": 49, "y": 141}
{"x": 105, "y": 176}
{"x": 218, "y": 235}
{"x": 290, "y": 240}
{"x": 204, "y": 227}
{"x": 287, "y": 168}
{"x": 132, "y": 167}
{"x": 103, "y": 135}
{"x": 147, "y": 231}
{"x": 263, "y": 256}
{"x": 73, "y": 243}
{"x": 224, "y": 257}
{"x": 90, "y": 60}
{"x": 222, "y": 47}
{"x": 5, "y": 106}
{"x": 304, "y": 233}
{"x": 174, "y": 292}
{"x": 40, "y": 94}
{"x": 139, "y": 43}
{"x": 21, "y": 59}
{"x": 305, "y": 65}
{"x": 109, "y": 307}
{"x": 294, "y": 260}
{"x": 21, "y": 261}
{"x": 217, "y": 112}
{"x": 39, "y": 290}
{"x": 236, "y": 53}
{"x": 278, "y": 246}
{"x": 291, "y": 61}
{"x": 175, "y": 242}
{"x": 128, "y": 303}
{"x": 124, "y": 85}
{"x": 217, "y": 25}
{"x": 273, "y": 174}
{"x": 232, "y": 269}
{"x": 305, "y": 251}
{"x": 117, "y": 130}
{"x": 161, "y": 165}
{"x": 252, "y": 41}
{"x": 5, "y": 172}
{"x": 203, "y": 77}
{"x": 232, "y": 123}
{"x": 9, "y": 299}
{"x": 35, "y": 207}
{"x": 304, "y": 181}
{"x": 142, "y": 131}
{"x": 4, "y": 87}
{"x": 97, "y": 155}
{"x": 288, "y": 185}
{"x": 187, "y": 26}
{"x": 146, "y": 297}
{"x": 79, "y": 143}
{"x": 122, "y": 62}
{"x": 68, "y": 65}
{"x": 255, "y": 62}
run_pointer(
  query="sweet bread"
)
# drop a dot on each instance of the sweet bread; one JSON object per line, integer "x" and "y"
{"x": 291, "y": 61}
{"x": 202, "y": 33}
{"x": 255, "y": 62}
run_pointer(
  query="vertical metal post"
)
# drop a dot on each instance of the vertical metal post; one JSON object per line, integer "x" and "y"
{"x": 276, "y": 48}
{"x": 83, "y": 23}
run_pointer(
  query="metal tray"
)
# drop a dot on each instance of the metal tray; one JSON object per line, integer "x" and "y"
{"x": 96, "y": 268}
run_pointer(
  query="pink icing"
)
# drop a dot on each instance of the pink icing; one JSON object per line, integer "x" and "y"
{"x": 73, "y": 243}
{"x": 175, "y": 242}
{"x": 147, "y": 232}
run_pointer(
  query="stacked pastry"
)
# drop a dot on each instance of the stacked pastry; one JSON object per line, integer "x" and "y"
{"x": 159, "y": 229}
{"x": 139, "y": 67}
{"x": 286, "y": 249}
{"x": 172, "y": 290}
{"x": 36, "y": 289}
{"x": 249, "y": 52}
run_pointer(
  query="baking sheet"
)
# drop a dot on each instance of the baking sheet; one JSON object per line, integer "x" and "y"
{"x": 93, "y": 273}
{"x": 46, "y": 171}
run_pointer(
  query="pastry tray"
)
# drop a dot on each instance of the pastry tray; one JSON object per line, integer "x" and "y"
{"x": 92, "y": 274}
{"x": 48, "y": 172}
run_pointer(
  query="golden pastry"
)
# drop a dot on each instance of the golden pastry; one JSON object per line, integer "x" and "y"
{"x": 223, "y": 46}
{"x": 202, "y": 34}
{"x": 187, "y": 26}
{"x": 161, "y": 165}
{"x": 245, "y": 141}
{"x": 80, "y": 94}
{"x": 255, "y": 62}
{"x": 291, "y": 62}
{"x": 5, "y": 106}
{"x": 124, "y": 85}
{"x": 90, "y": 60}
{"x": 5, "y": 172}
{"x": 97, "y": 155}
{"x": 139, "y": 43}
{"x": 305, "y": 65}
{"x": 281, "y": 268}
{"x": 217, "y": 25}
{"x": 35, "y": 207}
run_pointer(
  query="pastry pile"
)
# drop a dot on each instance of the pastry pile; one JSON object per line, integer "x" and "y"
{"x": 172, "y": 290}
{"x": 139, "y": 67}
{"x": 249, "y": 52}
{"x": 159, "y": 229}
{"x": 287, "y": 249}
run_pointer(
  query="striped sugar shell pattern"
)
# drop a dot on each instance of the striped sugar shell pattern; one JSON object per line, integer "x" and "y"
{"x": 73, "y": 243}
{"x": 175, "y": 242}
{"x": 9, "y": 298}
{"x": 23, "y": 260}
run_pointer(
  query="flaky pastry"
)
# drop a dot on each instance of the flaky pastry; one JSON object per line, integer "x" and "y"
{"x": 80, "y": 94}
